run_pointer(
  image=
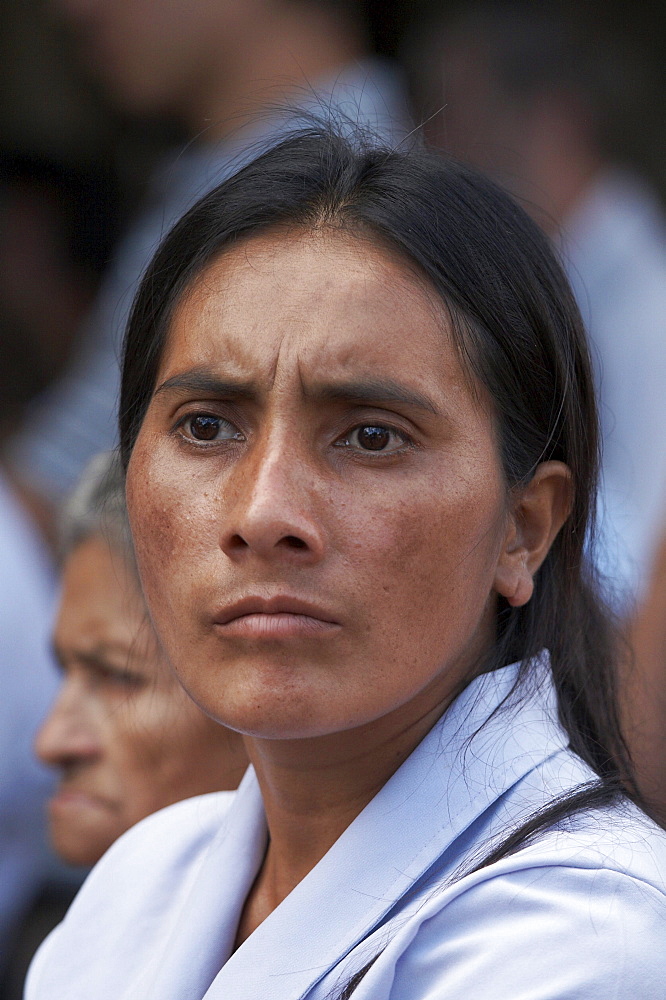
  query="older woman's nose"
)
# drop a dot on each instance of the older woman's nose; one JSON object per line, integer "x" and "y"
{"x": 275, "y": 511}
{"x": 68, "y": 734}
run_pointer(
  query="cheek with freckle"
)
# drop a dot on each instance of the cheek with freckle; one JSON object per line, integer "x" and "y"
{"x": 176, "y": 529}
{"x": 428, "y": 563}
{"x": 155, "y": 524}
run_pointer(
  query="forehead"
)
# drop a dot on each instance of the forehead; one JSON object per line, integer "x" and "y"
{"x": 308, "y": 305}
{"x": 100, "y": 591}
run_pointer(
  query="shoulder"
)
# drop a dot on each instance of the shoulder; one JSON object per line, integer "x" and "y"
{"x": 172, "y": 838}
{"x": 575, "y": 914}
{"x": 162, "y": 854}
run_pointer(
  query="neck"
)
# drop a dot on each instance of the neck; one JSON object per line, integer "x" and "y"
{"x": 294, "y": 49}
{"x": 313, "y": 789}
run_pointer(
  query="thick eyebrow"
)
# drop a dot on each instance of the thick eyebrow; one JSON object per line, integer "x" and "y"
{"x": 372, "y": 390}
{"x": 364, "y": 391}
{"x": 200, "y": 380}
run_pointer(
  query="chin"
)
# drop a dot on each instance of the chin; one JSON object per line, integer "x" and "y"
{"x": 270, "y": 718}
{"x": 262, "y": 723}
{"x": 80, "y": 838}
{"x": 276, "y": 700}
{"x": 78, "y": 848}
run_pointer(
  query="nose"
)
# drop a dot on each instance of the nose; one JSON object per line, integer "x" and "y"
{"x": 275, "y": 514}
{"x": 68, "y": 734}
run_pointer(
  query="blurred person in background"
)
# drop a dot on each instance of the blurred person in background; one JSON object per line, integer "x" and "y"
{"x": 221, "y": 69}
{"x": 124, "y": 737}
{"x": 527, "y": 97}
{"x": 645, "y": 688}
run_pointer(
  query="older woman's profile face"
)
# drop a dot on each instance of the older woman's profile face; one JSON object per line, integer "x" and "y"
{"x": 123, "y": 734}
{"x": 315, "y": 492}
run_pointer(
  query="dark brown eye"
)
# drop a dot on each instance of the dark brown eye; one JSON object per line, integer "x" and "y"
{"x": 373, "y": 438}
{"x": 204, "y": 428}
{"x": 207, "y": 429}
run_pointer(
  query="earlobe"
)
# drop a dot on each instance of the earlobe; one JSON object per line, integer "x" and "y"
{"x": 514, "y": 581}
{"x": 539, "y": 511}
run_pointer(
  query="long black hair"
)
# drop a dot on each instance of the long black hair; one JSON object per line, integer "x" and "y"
{"x": 518, "y": 331}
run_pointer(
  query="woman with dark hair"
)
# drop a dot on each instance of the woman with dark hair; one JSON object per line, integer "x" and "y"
{"x": 361, "y": 448}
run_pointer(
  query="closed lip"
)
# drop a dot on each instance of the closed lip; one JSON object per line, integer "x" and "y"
{"x": 68, "y": 795}
{"x": 276, "y": 605}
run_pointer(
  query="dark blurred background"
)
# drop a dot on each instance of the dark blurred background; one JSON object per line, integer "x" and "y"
{"x": 74, "y": 168}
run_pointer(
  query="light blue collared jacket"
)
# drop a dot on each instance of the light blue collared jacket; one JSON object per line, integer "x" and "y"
{"x": 580, "y": 914}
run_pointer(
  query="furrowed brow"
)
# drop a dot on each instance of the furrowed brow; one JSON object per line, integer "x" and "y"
{"x": 373, "y": 391}
{"x": 201, "y": 381}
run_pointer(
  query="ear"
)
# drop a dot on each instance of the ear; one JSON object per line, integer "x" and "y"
{"x": 539, "y": 511}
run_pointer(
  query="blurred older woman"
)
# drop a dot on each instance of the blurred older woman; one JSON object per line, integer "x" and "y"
{"x": 125, "y": 737}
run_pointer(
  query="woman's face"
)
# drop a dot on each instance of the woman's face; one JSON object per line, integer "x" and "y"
{"x": 315, "y": 493}
{"x": 124, "y": 735}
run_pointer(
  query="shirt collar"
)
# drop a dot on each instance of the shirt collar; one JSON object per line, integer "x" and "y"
{"x": 492, "y": 736}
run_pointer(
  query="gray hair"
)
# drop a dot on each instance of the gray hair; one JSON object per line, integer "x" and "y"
{"x": 97, "y": 506}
